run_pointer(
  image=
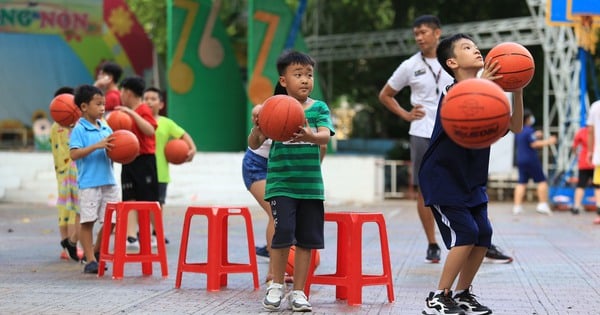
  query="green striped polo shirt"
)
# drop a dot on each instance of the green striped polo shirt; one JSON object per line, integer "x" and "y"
{"x": 294, "y": 169}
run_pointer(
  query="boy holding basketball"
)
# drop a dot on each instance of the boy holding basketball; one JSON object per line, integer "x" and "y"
{"x": 97, "y": 185}
{"x": 139, "y": 178}
{"x": 166, "y": 130}
{"x": 294, "y": 185}
{"x": 453, "y": 182}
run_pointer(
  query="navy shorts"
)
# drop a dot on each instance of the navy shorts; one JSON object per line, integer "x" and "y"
{"x": 298, "y": 222}
{"x": 139, "y": 180}
{"x": 531, "y": 171}
{"x": 254, "y": 168}
{"x": 463, "y": 225}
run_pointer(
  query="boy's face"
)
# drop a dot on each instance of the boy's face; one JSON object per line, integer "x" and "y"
{"x": 426, "y": 37}
{"x": 94, "y": 109}
{"x": 153, "y": 100}
{"x": 466, "y": 55}
{"x": 126, "y": 96}
{"x": 298, "y": 80}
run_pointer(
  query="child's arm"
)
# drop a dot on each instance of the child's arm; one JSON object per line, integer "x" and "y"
{"x": 144, "y": 126}
{"x": 591, "y": 142}
{"x": 256, "y": 137}
{"x": 305, "y": 134}
{"x": 537, "y": 144}
{"x": 190, "y": 142}
{"x": 78, "y": 153}
{"x": 516, "y": 120}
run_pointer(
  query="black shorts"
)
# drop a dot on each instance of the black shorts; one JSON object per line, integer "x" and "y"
{"x": 585, "y": 178}
{"x": 139, "y": 180}
{"x": 298, "y": 222}
{"x": 162, "y": 192}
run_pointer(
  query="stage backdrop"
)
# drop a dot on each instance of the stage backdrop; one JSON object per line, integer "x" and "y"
{"x": 53, "y": 43}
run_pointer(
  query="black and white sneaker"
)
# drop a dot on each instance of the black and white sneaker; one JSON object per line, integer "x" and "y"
{"x": 466, "y": 300}
{"x": 441, "y": 304}
{"x": 433, "y": 254}
{"x": 495, "y": 256}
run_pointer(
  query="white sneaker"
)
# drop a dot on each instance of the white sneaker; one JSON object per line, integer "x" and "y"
{"x": 299, "y": 302}
{"x": 133, "y": 243}
{"x": 153, "y": 241}
{"x": 517, "y": 210}
{"x": 272, "y": 300}
{"x": 543, "y": 208}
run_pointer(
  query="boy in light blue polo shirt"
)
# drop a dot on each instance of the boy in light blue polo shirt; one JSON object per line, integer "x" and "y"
{"x": 89, "y": 141}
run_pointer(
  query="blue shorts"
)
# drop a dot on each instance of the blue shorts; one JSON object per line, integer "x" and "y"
{"x": 531, "y": 171}
{"x": 463, "y": 225}
{"x": 298, "y": 222}
{"x": 254, "y": 168}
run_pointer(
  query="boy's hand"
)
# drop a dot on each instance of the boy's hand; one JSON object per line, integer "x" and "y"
{"x": 304, "y": 133}
{"x": 489, "y": 71}
{"x": 106, "y": 143}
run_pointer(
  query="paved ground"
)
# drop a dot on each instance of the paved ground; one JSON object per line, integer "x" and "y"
{"x": 556, "y": 268}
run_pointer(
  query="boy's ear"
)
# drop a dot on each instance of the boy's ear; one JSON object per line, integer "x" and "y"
{"x": 282, "y": 81}
{"x": 451, "y": 63}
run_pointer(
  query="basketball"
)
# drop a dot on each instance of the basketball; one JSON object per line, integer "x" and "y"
{"x": 289, "y": 267}
{"x": 126, "y": 147}
{"x": 475, "y": 113}
{"x": 280, "y": 117}
{"x": 516, "y": 65}
{"x": 64, "y": 111}
{"x": 118, "y": 120}
{"x": 176, "y": 151}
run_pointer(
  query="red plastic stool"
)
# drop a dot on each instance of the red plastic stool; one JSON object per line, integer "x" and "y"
{"x": 348, "y": 277}
{"x": 217, "y": 265}
{"x": 119, "y": 256}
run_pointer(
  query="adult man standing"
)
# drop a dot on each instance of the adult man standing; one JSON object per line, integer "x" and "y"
{"x": 426, "y": 79}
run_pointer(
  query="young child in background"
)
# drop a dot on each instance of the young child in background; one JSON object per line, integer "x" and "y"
{"x": 97, "y": 185}
{"x": 167, "y": 129}
{"x": 66, "y": 180}
{"x": 107, "y": 80}
{"x": 585, "y": 168}
{"x": 296, "y": 195}
{"x": 138, "y": 178}
{"x": 453, "y": 182}
{"x": 530, "y": 167}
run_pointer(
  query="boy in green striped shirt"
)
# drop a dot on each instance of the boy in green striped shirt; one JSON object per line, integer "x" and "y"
{"x": 294, "y": 186}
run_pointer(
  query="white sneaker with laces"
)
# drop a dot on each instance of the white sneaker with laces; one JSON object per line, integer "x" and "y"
{"x": 543, "y": 208}
{"x": 299, "y": 302}
{"x": 517, "y": 210}
{"x": 272, "y": 300}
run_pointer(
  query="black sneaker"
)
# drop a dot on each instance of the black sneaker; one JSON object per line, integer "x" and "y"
{"x": 166, "y": 239}
{"x": 91, "y": 267}
{"x": 262, "y": 251}
{"x": 441, "y": 304}
{"x": 466, "y": 300}
{"x": 71, "y": 248}
{"x": 495, "y": 256}
{"x": 433, "y": 254}
{"x": 575, "y": 210}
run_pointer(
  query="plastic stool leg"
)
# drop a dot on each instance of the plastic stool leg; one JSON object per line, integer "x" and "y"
{"x": 120, "y": 240}
{"x": 144, "y": 238}
{"x": 160, "y": 238}
{"x": 183, "y": 248}
{"x": 385, "y": 259}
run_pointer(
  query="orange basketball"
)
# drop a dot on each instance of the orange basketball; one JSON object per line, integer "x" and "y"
{"x": 280, "y": 117}
{"x": 64, "y": 111}
{"x": 289, "y": 268}
{"x": 126, "y": 147}
{"x": 118, "y": 120}
{"x": 516, "y": 65}
{"x": 475, "y": 113}
{"x": 176, "y": 151}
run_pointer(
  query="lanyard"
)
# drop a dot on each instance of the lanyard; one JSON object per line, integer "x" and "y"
{"x": 436, "y": 77}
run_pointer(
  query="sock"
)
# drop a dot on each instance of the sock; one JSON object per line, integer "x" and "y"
{"x": 458, "y": 292}
{"x": 438, "y": 292}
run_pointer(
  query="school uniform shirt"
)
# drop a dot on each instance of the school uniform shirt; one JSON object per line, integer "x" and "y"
{"x": 294, "y": 169}
{"x": 112, "y": 100}
{"x": 147, "y": 143}
{"x": 422, "y": 75}
{"x": 95, "y": 169}
{"x": 167, "y": 129}
{"x": 452, "y": 175}
{"x": 581, "y": 141}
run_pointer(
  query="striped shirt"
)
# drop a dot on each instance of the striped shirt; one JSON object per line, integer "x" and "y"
{"x": 294, "y": 169}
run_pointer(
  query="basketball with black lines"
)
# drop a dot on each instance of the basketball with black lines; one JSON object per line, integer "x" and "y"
{"x": 63, "y": 110}
{"x": 516, "y": 65}
{"x": 280, "y": 117}
{"x": 475, "y": 113}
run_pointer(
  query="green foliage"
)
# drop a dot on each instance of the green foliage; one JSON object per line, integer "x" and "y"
{"x": 153, "y": 17}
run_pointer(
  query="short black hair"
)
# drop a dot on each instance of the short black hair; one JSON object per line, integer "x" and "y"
{"x": 85, "y": 93}
{"x": 445, "y": 50}
{"x": 161, "y": 94}
{"x": 135, "y": 84}
{"x": 279, "y": 89}
{"x": 113, "y": 69}
{"x": 293, "y": 57}
{"x": 64, "y": 90}
{"x": 429, "y": 20}
{"x": 526, "y": 114}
